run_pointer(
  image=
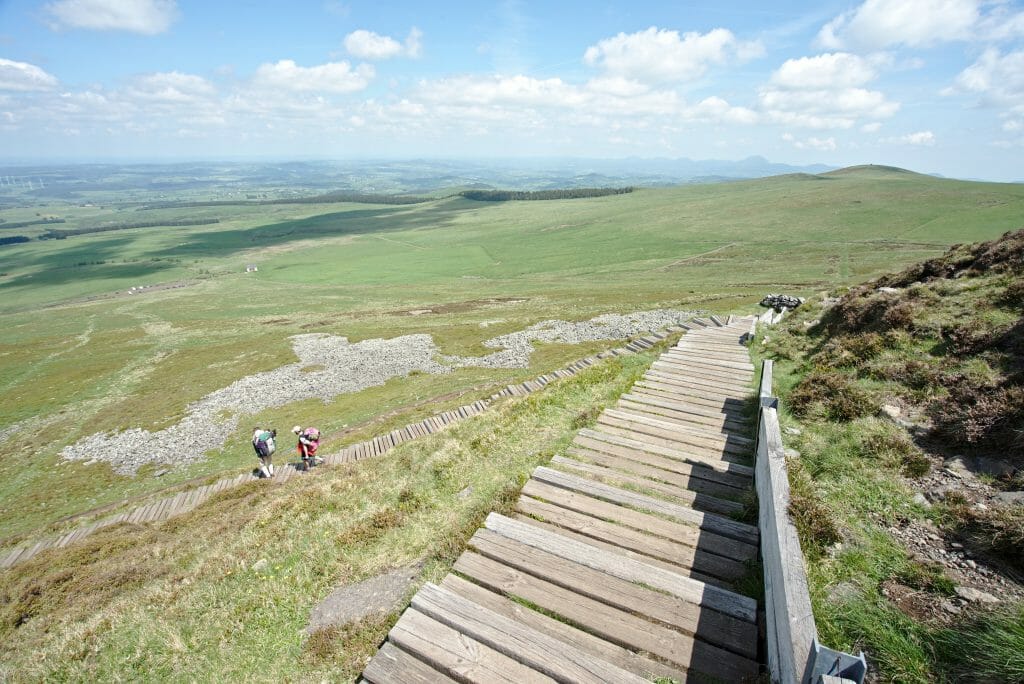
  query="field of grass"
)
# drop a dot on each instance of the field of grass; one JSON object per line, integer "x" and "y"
{"x": 182, "y": 600}
{"x": 71, "y": 366}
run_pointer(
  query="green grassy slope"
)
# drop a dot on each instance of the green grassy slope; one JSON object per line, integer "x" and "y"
{"x": 182, "y": 600}
{"x": 357, "y": 270}
{"x": 944, "y": 345}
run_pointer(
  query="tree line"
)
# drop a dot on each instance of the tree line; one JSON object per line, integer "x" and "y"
{"x": 567, "y": 193}
{"x": 328, "y": 198}
{"x": 62, "y": 234}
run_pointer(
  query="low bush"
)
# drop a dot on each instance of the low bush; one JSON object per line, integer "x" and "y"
{"x": 831, "y": 395}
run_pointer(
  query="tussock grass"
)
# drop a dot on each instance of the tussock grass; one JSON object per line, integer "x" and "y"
{"x": 181, "y": 601}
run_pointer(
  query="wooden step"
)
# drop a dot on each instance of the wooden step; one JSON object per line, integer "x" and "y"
{"x": 559, "y": 631}
{"x": 617, "y": 478}
{"x": 707, "y": 522}
{"x": 695, "y": 478}
{"x": 685, "y": 557}
{"x": 735, "y": 471}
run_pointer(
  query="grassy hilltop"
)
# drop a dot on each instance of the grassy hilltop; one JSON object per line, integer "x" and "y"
{"x": 79, "y": 355}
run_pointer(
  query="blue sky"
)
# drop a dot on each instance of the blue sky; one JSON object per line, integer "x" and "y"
{"x": 932, "y": 85}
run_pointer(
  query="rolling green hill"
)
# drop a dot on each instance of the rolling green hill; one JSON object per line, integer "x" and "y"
{"x": 79, "y": 354}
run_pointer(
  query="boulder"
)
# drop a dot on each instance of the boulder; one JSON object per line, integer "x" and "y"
{"x": 781, "y": 301}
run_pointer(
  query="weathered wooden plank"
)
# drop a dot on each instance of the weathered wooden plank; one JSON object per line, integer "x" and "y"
{"x": 726, "y": 484}
{"x": 708, "y": 395}
{"x": 456, "y": 655}
{"x": 611, "y": 615}
{"x": 712, "y": 460}
{"x": 637, "y": 402}
{"x": 683, "y": 556}
{"x": 745, "y": 367}
{"x": 645, "y": 522}
{"x": 164, "y": 509}
{"x": 556, "y": 659}
{"x": 706, "y": 405}
{"x": 690, "y": 590}
{"x": 392, "y": 665}
{"x": 680, "y": 376}
{"x": 610, "y": 476}
{"x": 693, "y": 411}
{"x": 719, "y": 388}
{"x": 675, "y": 440}
{"x": 789, "y": 618}
{"x": 682, "y": 425}
{"x": 664, "y": 469}
{"x": 735, "y": 474}
{"x": 710, "y": 522}
{"x": 729, "y": 405}
{"x": 679, "y": 370}
{"x": 708, "y": 351}
{"x": 673, "y": 437}
{"x": 605, "y": 650}
{"x": 608, "y": 547}
{"x": 690, "y": 435}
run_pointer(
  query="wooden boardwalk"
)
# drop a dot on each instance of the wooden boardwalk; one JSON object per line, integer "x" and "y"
{"x": 620, "y": 560}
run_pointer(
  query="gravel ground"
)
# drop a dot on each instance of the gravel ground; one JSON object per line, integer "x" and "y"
{"x": 336, "y": 367}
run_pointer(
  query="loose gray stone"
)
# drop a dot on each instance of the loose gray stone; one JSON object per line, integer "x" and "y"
{"x": 792, "y": 431}
{"x": 890, "y": 411}
{"x": 843, "y": 592}
{"x": 950, "y": 607}
{"x": 262, "y": 566}
{"x": 327, "y": 366}
{"x": 380, "y": 594}
{"x": 994, "y": 466}
{"x": 975, "y": 595}
{"x": 1010, "y": 498}
{"x": 921, "y": 500}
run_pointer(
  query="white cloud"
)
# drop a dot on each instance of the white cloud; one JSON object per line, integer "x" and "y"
{"x": 919, "y": 139}
{"x": 872, "y": 127}
{"x": 369, "y": 45}
{"x": 333, "y": 77}
{"x": 23, "y": 76}
{"x": 827, "y": 71}
{"x": 812, "y": 143}
{"x": 494, "y": 90}
{"x": 658, "y": 55}
{"x": 172, "y": 86}
{"x": 998, "y": 79}
{"x": 824, "y": 92}
{"x": 139, "y": 16}
{"x": 414, "y": 43}
{"x": 914, "y": 23}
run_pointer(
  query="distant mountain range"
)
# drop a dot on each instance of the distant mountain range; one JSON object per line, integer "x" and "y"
{"x": 226, "y": 180}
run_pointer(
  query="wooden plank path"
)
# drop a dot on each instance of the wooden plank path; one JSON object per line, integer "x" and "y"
{"x": 188, "y": 500}
{"x": 619, "y": 561}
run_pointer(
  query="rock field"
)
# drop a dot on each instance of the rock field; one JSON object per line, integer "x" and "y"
{"x": 328, "y": 366}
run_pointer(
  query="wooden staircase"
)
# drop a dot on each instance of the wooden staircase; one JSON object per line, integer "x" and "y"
{"x": 621, "y": 559}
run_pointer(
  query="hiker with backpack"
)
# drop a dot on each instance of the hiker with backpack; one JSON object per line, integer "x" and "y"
{"x": 263, "y": 443}
{"x": 309, "y": 442}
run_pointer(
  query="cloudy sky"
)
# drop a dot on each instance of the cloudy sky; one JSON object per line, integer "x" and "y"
{"x": 932, "y": 85}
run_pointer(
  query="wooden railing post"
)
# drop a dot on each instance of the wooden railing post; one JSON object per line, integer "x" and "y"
{"x": 793, "y": 652}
